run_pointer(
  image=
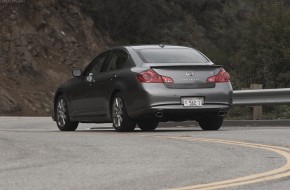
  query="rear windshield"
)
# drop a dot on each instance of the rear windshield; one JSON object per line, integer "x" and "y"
{"x": 172, "y": 56}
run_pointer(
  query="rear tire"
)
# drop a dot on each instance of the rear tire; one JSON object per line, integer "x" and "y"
{"x": 62, "y": 115}
{"x": 148, "y": 126}
{"x": 119, "y": 115}
{"x": 211, "y": 123}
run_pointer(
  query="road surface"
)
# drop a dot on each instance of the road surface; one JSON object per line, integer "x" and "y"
{"x": 35, "y": 155}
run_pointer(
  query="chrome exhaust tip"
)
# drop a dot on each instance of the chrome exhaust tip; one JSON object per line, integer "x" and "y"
{"x": 159, "y": 114}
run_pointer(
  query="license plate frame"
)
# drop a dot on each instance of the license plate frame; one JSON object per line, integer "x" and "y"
{"x": 192, "y": 101}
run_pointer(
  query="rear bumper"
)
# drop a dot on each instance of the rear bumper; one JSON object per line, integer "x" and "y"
{"x": 147, "y": 99}
{"x": 179, "y": 113}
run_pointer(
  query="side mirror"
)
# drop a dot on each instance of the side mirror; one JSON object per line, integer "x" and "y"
{"x": 77, "y": 72}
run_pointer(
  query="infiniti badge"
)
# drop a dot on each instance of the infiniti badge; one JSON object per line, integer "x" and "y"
{"x": 189, "y": 74}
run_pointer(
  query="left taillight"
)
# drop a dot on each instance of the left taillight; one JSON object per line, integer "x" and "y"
{"x": 150, "y": 76}
{"x": 222, "y": 76}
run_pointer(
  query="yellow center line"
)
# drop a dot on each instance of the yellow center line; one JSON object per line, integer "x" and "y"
{"x": 237, "y": 142}
{"x": 250, "y": 179}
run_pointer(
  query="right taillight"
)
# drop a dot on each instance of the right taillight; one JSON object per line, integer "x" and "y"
{"x": 151, "y": 76}
{"x": 222, "y": 76}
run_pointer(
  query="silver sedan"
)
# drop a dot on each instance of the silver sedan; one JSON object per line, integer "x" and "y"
{"x": 145, "y": 85}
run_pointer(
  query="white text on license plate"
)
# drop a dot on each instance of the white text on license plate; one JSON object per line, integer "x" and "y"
{"x": 192, "y": 102}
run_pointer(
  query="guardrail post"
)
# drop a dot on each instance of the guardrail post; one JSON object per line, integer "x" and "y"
{"x": 257, "y": 110}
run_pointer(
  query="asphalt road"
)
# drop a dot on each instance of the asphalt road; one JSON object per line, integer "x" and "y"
{"x": 35, "y": 155}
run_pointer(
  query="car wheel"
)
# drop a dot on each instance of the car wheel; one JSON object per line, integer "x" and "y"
{"x": 62, "y": 116}
{"x": 147, "y": 126}
{"x": 120, "y": 118}
{"x": 211, "y": 123}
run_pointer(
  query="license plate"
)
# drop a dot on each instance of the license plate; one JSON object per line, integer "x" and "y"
{"x": 192, "y": 102}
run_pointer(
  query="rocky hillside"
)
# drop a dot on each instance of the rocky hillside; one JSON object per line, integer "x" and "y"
{"x": 41, "y": 41}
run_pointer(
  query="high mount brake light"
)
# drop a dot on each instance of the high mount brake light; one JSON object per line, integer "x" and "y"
{"x": 222, "y": 76}
{"x": 151, "y": 76}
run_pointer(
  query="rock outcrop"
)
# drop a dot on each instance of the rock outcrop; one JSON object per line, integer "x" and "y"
{"x": 40, "y": 42}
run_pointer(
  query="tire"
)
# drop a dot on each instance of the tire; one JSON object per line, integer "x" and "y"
{"x": 211, "y": 123}
{"x": 62, "y": 115}
{"x": 119, "y": 115}
{"x": 147, "y": 126}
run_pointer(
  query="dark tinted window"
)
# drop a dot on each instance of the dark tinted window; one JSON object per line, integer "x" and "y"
{"x": 96, "y": 65}
{"x": 117, "y": 60}
{"x": 172, "y": 56}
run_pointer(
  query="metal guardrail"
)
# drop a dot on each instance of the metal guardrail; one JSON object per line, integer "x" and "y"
{"x": 261, "y": 97}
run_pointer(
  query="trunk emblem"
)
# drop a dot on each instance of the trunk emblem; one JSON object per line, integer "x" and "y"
{"x": 189, "y": 74}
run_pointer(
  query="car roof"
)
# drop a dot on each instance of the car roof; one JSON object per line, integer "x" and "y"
{"x": 161, "y": 46}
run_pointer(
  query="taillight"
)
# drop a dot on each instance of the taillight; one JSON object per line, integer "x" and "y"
{"x": 150, "y": 76}
{"x": 222, "y": 76}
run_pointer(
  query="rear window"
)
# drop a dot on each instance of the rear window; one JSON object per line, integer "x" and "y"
{"x": 172, "y": 56}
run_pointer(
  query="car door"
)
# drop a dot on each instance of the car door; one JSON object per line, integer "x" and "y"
{"x": 86, "y": 101}
{"x": 109, "y": 79}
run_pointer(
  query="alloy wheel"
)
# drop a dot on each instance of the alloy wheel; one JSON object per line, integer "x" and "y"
{"x": 61, "y": 112}
{"x": 117, "y": 111}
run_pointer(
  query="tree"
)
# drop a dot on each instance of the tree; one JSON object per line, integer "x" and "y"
{"x": 265, "y": 55}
